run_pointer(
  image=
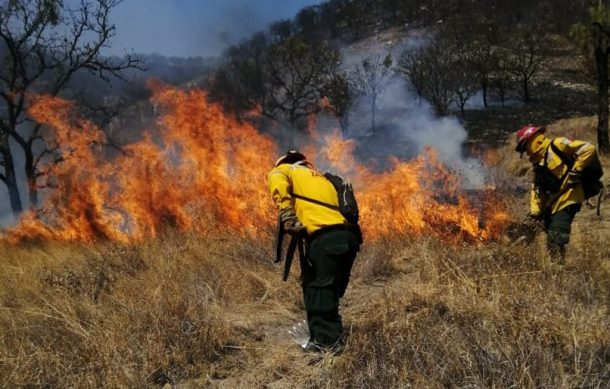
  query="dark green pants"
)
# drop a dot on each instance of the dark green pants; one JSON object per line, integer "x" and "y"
{"x": 325, "y": 275}
{"x": 558, "y": 227}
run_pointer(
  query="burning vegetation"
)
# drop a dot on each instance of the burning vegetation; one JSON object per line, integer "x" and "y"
{"x": 193, "y": 301}
{"x": 205, "y": 171}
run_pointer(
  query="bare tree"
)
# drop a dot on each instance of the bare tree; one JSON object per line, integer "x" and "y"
{"x": 500, "y": 77}
{"x": 410, "y": 65}
{"x": 482, "y": 46}
{"x": 602, "y": 50}
{"x": 340, "y": 97}
{"x": 464, "y": 57}
{"x": 240, "y": 82}
{"x": 43, "y": 44}
{"x": 370, "y": 78}
{"x": 431, "y": 67}
{"x": 465, "y": 82}
{"x": 280, "y": 75}
{"x": 296, "y": 73}
{"x": 595, "y": 42}
{"x": 484, "y": 59}
{"x": 525, "y": 54}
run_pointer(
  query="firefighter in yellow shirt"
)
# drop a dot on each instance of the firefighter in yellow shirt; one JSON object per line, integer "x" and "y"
{"x": 557, "y": 194}
{"x": 332, "y": 244}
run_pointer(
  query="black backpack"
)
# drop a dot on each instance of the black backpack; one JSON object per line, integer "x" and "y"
{"x": 348, "y": 206}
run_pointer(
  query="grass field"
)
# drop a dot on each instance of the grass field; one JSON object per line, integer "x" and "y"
{"x": 190, "y": 311}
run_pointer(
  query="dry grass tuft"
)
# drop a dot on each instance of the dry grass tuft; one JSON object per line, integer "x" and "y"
{"x": 213, "y": 312}
{"x": 487, "y": 317}
{"x": 130, "y": 316}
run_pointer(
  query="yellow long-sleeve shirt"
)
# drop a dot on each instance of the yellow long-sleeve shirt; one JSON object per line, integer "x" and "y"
{"x": 581, "y": 153}
{"x": 302, "y": 180}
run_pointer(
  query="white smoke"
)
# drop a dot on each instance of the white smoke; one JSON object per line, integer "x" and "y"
{"x": 406, "y": 124}
{"x": 418, "y": 124}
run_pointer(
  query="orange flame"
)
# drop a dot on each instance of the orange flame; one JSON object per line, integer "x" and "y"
{"x": 206, "y": 171}
{"x": 416, "y": 197}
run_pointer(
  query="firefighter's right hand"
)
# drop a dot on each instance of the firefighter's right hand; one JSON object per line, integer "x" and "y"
{"x": 290, "y": 220}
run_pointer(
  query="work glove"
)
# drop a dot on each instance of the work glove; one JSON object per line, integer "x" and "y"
{"x": 573, "y": 178}
{"x": 290, "y": 220}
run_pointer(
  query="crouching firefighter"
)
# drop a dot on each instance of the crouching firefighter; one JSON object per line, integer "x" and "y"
{"x": 309, "y": 211}
{"x": 557, "y": 193}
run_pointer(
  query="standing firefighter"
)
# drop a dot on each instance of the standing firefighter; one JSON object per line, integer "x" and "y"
{"x": 309, "y": 206}
{"x": 557, "y": 193}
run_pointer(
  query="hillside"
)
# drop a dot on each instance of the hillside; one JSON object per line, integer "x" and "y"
{"x": 192, "y": 311}
{"x": 150, "y": 265}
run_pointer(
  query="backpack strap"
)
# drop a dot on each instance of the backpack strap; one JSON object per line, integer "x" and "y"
{"x": 564, "y": 158}
{"x": 314, "y": 201}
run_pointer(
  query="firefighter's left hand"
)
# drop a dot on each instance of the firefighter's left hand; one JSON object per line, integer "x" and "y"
{"x": 573, "y": 178}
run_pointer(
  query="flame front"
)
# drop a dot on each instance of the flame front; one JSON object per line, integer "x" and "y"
{"x": 417, "y": 197}
{"x": 205, "y": 171}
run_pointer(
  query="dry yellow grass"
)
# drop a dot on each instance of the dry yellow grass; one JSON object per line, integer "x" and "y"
{"x": 213, "y": 312}
{"x": 119, "y": 316}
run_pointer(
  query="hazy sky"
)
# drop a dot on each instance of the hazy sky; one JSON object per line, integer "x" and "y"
{"x": 194, "y": 27}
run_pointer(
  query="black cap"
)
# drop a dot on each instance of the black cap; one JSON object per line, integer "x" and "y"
{"x": 292, "y": 156}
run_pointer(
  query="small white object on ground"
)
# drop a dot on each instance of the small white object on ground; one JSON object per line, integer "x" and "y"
{"x": 300, "y": 333}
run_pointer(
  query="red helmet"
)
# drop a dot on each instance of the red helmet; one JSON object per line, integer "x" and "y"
{"x": 524, "y": 134}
